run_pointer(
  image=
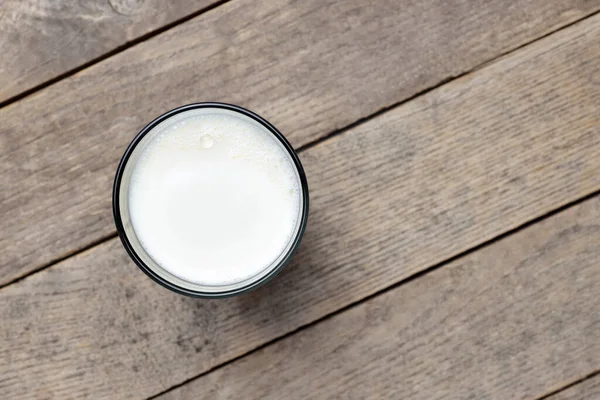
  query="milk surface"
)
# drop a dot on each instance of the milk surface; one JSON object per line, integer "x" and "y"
{"x": 214, "y": 199}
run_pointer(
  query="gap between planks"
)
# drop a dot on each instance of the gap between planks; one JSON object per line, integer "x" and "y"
{"x": 572, "y": 385}
{"x": 116, "y": 50}
{"x": 441, "y": 83}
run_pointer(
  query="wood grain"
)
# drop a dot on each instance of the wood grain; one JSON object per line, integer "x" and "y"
{"x": 40, "y": 40}
{"x": 506, "y": 322}
{"x": 586, "y": 390}
{"x": 391, "y": 197}
{"x": 310, "y": 67}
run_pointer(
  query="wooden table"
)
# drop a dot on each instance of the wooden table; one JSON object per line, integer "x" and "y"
{"x": 452, "y": 150}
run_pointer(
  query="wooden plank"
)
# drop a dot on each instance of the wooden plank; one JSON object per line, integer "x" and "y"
{"x": 586, "y": 390}
{"x": 506, "y": 322}
{"x": 391, "y": 197}
{"x": 309, "y": 66}
{"x": 44, "y": 39}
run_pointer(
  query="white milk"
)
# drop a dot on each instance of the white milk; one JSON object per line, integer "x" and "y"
{"x": 214, "y": 199}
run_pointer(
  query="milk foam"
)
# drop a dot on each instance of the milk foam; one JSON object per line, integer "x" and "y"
{"x": 214, "y": 199}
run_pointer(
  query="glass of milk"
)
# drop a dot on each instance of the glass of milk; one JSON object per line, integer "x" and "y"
{"x": 210, "y": 200}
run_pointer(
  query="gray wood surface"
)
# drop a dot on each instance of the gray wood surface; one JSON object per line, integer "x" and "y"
{"x": 506, "y": 322}
{"x": 586, "y": 390}
{"x": 42, "y": 39}
{"x": 399, "y": 193}
{"x": 310, "y": 67}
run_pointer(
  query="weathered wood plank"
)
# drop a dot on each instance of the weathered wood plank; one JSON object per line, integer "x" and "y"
{"x": 391, "y": 197}
{"x": 507, "y": 322}
{"x": 40, "y": 40}
{"x": 586, "y": 390}
{"x": 309, "y": 66}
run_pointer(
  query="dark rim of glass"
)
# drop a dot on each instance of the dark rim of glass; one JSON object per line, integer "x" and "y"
{"x": 170, "y": 285}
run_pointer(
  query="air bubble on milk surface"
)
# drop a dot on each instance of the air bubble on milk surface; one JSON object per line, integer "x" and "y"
{"x": 207, "y": 141}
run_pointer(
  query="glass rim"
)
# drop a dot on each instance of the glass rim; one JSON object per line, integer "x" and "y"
{"x": 294, "y": 243}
